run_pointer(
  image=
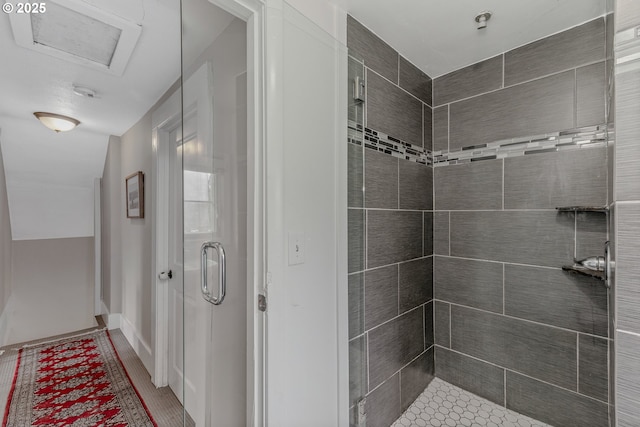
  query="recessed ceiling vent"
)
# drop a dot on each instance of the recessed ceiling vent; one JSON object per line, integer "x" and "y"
{"x": 80, "y": 33}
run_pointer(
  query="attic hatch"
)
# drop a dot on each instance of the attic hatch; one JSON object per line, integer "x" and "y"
{"x": 80, "y": 33}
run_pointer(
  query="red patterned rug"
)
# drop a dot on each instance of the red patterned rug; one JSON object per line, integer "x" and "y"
{"x": 77, "y": 381}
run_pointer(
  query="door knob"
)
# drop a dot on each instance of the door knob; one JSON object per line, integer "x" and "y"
{"x": 164, "y": 275}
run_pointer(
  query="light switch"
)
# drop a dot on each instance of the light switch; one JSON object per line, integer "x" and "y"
{"x": 296, "y": 248}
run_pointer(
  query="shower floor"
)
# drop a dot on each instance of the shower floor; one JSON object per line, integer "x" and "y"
{"x": 443, "y": 404}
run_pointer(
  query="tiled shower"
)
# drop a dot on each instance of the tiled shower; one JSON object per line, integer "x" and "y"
{"x": 455, "y": 242}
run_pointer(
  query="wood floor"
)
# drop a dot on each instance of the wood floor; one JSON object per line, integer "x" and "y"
{"x": 161, "y": 402}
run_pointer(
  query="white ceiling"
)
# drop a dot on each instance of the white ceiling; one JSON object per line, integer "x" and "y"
{"x": 440, "y": 36}
{"x": 31, "y": 81}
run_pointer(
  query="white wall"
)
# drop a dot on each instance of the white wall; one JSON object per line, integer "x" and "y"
{"x": 306, "y": 192}
{"x": 126, "y": 244}
{"x": 5, "y": 251}
{"x": 52, "y": 288}
{"x": 136, "y": 233}
{"x": 112, "y": 215}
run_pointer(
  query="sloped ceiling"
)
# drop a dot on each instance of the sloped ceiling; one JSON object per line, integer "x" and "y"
{"x": 50, "y": 176}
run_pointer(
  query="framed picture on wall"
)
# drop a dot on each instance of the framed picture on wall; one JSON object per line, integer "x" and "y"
{"x": 134, "y": 184}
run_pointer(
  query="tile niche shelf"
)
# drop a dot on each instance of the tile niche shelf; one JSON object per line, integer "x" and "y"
{"x": 577, "y": 268}
{"x": 600, "y": 209}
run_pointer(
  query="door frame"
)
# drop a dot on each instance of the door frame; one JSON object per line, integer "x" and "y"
{"x": 253, "y": 13}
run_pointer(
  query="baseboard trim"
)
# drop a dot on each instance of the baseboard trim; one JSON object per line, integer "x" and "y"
{"x": 113, "y": 321}
{"x": 142, "y": 349}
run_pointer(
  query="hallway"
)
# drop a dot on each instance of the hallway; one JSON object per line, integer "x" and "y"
{"x": 162, "y": 404}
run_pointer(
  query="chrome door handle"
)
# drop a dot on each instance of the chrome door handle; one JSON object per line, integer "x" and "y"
{"x": 222, "y": 273}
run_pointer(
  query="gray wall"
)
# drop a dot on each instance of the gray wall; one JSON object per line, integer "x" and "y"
{"x": 390, "y": 250}
{"x": 626, "y": 215}
{"x": 5, "y": 250}
{"x": 53, "y": 285}
{"x": 510, "y": 325}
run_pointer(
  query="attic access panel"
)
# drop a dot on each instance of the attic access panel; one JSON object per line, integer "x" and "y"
{"x": 79, "y": 33}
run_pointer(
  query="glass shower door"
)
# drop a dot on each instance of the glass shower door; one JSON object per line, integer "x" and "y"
{"x": 358, "y": 384}
{"x": 214, "y": 170}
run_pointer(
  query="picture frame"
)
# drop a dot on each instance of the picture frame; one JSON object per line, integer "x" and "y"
{"x": 134, "y": 195}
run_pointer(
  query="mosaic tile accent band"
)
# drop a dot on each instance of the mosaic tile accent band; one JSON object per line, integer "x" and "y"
{"x": 378, "y": 141}
{"x": 586, "y": 137}
{"x": 592, "y": 136}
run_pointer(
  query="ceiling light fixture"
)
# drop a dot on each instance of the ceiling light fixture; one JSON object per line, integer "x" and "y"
{"x": 482, "y": 19}
{"x": 56, "y": 122}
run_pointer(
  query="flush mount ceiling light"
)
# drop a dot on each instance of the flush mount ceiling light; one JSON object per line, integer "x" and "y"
{"x": 56, "y": 122}
{"x": 78, "y": 32}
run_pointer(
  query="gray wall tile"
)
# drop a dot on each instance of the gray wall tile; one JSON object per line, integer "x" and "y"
{"x": 427, "y": 245}
{"x": 549, "y": 180}
{"x": 628, "y": 379}
{"x": 478, "y": 377}
{"x": 415, "y": 81}
{"x": 394, "y": 344}
{"x": 356, "y": 304}
{"x": 441, "y": 128}
{"x": 427, "y": 128}
{"x": 469, "y": 186}
{"x": 539, "y": 351}
{"x": 611, "y": 149}
{"x": 393, "y": 236}
{"x": 415, "y": 377}
{"x": 533, "y": 108}
{"x": 381, "y": 180}
{"x": 553, "y": 405}
{"x": 428, "y": 325}
{"x": 355, "y": 108}
{"x": 355, "y": 167}
{"x": 442, "y": 324}
{"x": 392, "y": 110}
{"x": 499, "y": 236}
{"x": 441, "y": 233}
{"x": 383, "y": 404}
{"x": 627, "y": 14}
{"x": 472, "y": 80}
{"x": 473, "y": 283}
{"x": 627, "y": 107}
{"x": 628, "y": 267}
{"x": 381, "y": 295}
{"x": 593, "y": 369}
{"x": 591, "y": 234}
{"x": 377, "y": 54}
{"x": 416, "y": 283}
{"x": 557, "y": 298}
{"x": 356, "y": 239}
{"x": 610, "y": 32}
{"x": 357, "y": 369}
{"x": 569, "y": 49}
{"x": 416, "y": 186}
{"x": 591, "y": 88}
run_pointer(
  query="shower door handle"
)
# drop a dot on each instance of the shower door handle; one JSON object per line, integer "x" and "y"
{"x": 222, "y": 273}
{"x": 608, "y": 264}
